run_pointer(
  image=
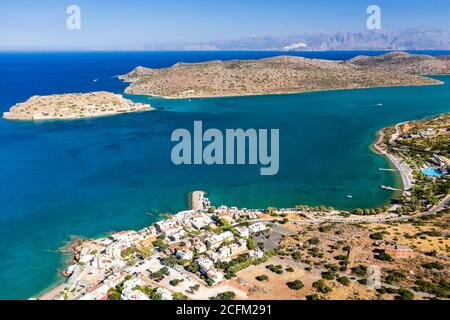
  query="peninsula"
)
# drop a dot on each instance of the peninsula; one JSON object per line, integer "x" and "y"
{"x": 284, "y": 74}
{"x": 73, "y": 106}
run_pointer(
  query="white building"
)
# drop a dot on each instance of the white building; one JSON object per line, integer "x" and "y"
{"x": 86, "y": 258}
{"x": 184, "y": 254}
{"x": 131, "y": 292}
{"x": 165, "y": 294}
{"x": 200, "y": 221}
{"x": 226, "y": 216}
{"x": 208, "y": 269}
{"x": 242, "y": 232}
{"x": 114, "y": 279}
{"x": 257, "y": 227}
{"x": 177, "y": 236}
{"x": 256, "y": 254}
{"x": 99, "y": 292}
{"x": 238, "y": 248}
{"x": 115, "y": 249}
{"x": 121, "y": 235}
{"x": 168, "y": 227}
{"x": 216, "y": 240}
{"x": 200, "y": 248}
{"x": 227, "y": 252}
{"x": 105, "y": 262}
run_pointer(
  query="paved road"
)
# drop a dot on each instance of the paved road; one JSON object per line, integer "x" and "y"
{"x": 370, "y": 219}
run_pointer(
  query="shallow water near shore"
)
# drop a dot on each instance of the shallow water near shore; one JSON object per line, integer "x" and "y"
{"x": 88, "y": 177}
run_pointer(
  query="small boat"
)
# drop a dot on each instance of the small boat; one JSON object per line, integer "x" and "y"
{"x": 349, "y": 196}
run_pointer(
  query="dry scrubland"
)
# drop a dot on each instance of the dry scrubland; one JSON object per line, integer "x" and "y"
{"x": 284, "y": 74}
{"x": 322, "y": 256}
{"x": 73, "y": 106}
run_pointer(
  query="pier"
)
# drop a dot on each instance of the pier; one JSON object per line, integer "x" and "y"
{"x": 389, "y": 188}
{"x": 198, "y": 200}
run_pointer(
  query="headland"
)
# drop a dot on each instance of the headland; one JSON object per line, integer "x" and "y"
{"x": 283, "y": 75}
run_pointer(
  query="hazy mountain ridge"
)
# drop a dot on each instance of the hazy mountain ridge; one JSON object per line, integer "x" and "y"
{"x": 410, "y": 39}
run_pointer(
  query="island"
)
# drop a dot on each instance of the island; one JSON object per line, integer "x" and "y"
{"x": 73, "y": 106}
{"x": 284, "y": 74}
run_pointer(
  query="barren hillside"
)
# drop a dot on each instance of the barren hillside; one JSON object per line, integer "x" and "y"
{"x": 284, "y": 74}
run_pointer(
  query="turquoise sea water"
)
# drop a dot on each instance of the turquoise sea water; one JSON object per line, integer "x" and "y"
{"x": 88, "y": 177}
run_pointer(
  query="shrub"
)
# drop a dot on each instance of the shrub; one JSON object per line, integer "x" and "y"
{"x": 325, "y": 229}
{"x": 377, "y": 236}
{"x": 179, "y": 296}
{"x": 328, "y": 275}
{"x": 227, "y": 295}
{"x": 433, "y": 265}
{"x": 278, "y": 269}
{"x": 360, "y": 270}
{"x": 296, "y": 255}
{"x": 313, "y": 297}
{"x": 295, "y": 285}
{"x": 394, "y": 277}
{"x": 321, "y": 286}
{"x": 175, "y": 282}
{"x": 262, "y": 277}
{"x": 344, "y": 280}
{"x": 383, "y": 256}
{"x": 405, "y": 294}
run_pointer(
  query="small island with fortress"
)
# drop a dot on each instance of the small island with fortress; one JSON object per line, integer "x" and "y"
{"x": 73, "y": 106}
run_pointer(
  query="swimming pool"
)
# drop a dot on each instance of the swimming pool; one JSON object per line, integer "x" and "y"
{"x": 432, "y": 172}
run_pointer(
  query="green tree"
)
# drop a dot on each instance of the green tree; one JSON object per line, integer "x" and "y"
{"x": 295, "y": 285}
{"x": 251, "y": 244}
{"x": 179, "y": 296}
{"x": 227, "y": 295}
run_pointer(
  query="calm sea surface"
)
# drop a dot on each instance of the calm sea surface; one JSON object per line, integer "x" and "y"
{"x": 89, "y": 177}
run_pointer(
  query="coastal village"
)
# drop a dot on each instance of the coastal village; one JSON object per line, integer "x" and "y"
{"x": 226, "y": 253}
{"x": 305, "y": 252}
{"x": 223, "y": 252}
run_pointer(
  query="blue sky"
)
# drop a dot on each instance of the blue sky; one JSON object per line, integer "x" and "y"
{"x": 111, "y": 23}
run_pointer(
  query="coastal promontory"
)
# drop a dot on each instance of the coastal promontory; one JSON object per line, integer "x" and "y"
{"x": 284, "y": 74}
{"x": 73, "y": 106}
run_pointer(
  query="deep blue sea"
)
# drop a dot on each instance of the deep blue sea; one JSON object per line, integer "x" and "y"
{"x": 88, "y": 177}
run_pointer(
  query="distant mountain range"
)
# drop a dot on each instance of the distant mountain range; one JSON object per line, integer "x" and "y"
{"x": 410, "y": 39}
